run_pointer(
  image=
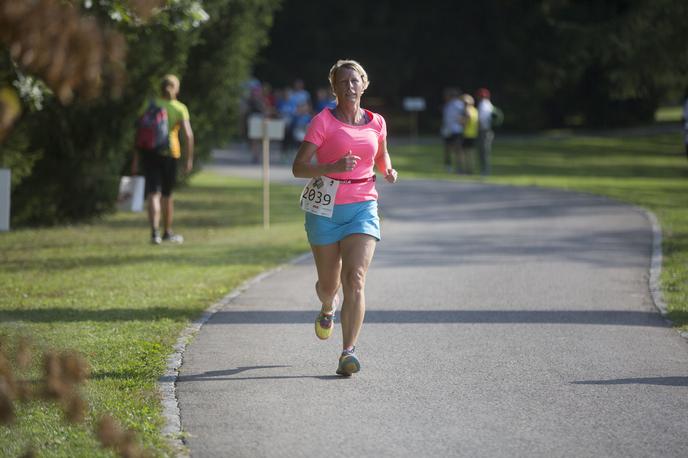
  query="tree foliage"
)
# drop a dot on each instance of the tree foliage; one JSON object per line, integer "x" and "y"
{"x": 548, "y": 62}
{"x": 220, "y": 62}
{"x": 67, "y": 158}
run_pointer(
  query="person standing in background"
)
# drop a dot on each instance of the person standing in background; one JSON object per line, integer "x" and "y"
{"x": 488, "y": 117}
{"x": 324, "y": 99}
{"x": 453, "y": 119}
{"x": 470, "y": 133}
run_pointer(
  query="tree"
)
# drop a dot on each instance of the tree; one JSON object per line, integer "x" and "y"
{"x": 220, "y": 62}
{"x": 548, "y": 63}
{"x": 69, "y": 156}
{"x": 618, "y": 59}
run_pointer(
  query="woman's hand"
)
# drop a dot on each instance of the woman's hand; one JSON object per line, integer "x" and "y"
{"x": 346, "y": 163}
{"x": 391, "y": 176}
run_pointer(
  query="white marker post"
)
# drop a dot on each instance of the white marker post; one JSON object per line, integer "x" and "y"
{"x": 260, "y": 127}
{"x": 5, "y": 189}
{"x": 414, "y": 105}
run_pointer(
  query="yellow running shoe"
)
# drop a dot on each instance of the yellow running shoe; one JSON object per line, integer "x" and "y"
{"x": 324, "y": 322}
{"x": 324, "y": 325}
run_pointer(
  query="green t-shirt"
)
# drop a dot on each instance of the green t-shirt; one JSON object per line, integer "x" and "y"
{"x": 176, "y": 114}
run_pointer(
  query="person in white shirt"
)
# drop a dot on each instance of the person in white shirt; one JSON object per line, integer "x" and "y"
{"x": 487, "y": 115}
{"x": 453, "y": 120}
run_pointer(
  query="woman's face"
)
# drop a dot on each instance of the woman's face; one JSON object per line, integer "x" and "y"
{"x": 348, "y": 86}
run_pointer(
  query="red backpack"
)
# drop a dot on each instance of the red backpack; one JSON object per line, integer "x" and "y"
{"x": 152, "y": 129}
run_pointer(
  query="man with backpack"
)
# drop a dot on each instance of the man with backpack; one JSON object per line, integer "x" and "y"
{"x": 159, "y": 150}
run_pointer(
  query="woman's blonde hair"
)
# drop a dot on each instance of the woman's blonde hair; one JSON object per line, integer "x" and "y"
{"x": 353, "y": 65}
{"x": 169, "y": 86}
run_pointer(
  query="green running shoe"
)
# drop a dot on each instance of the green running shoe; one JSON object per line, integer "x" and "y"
{"x": 348, "y": 363}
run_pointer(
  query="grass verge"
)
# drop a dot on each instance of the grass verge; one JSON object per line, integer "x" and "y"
{"x": 648, "y": 170}
{"x": 103, "y": 290}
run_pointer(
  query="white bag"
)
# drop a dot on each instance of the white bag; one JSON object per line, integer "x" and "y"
{"x": 130, "y": 197}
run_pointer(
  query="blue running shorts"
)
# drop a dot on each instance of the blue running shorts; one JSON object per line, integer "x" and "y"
{"x": 347, "y": 219}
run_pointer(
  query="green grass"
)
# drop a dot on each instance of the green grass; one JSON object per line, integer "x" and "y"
{"x": 104, "y": 290}
{"x": 669, "y": 114}
{"x": 650, "y": 171}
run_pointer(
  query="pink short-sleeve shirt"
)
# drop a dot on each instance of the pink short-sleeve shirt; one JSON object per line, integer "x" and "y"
{"x": 335, "y": 138}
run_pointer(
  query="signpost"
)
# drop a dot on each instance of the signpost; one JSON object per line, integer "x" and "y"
{"x": 414, "y": 105}
{"x": 265, "y": 129}
{"x": 5, "y": 188}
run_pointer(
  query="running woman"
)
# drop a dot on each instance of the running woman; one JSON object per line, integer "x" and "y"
{"x": 340, "y": 201}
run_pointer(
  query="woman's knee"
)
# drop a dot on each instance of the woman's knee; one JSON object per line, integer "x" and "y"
{"x": 327, "y": 287}
{"x": 354, "y": 279}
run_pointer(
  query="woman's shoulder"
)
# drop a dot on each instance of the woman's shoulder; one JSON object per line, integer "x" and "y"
{"x": 323, "y": 118}
{"x": 325, "y": 113}
{"x": 376, "y": 119}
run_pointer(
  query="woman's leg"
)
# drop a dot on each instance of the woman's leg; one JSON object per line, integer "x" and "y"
{"x": 357, "y": 251}
{"x": 328, "y": 263}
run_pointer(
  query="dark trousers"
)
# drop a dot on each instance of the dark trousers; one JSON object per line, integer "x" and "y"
{"x": 485, "y": 138}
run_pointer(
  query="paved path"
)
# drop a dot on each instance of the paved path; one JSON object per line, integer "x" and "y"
{"x": 501, "y": 322}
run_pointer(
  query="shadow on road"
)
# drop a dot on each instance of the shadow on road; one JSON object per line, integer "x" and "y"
{"x": 663, "y": 381}
{"x": 227, "y": 374}
{"x": 594, "y": 317}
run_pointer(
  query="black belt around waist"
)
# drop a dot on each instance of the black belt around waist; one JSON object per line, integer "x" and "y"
{"x": 355, "y": 180}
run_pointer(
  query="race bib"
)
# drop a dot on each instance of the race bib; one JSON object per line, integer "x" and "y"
{"x": 318, "y": 196}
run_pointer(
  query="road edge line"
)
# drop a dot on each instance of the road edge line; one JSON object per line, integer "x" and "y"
{"x": 656, "y": 270}
{"x": 656, "y": 264}
{"x": 167, "y": 383}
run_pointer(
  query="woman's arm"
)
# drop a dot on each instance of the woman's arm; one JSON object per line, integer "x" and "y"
{"x": 303, "y": 168}
{"x": 384, "y": 163}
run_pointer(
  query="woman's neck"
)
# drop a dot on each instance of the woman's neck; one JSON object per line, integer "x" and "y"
{"x": 350, "y": 114}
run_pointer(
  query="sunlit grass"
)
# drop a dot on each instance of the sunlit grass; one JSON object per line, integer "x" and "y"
{"x": 669, "y": 114}
{"x": 104, "y": 290}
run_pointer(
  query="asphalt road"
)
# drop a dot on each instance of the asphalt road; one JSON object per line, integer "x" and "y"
{"x": 502, "y": 322}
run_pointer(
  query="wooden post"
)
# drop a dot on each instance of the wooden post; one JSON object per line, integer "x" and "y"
{"x": 414, "y": 125}
{"x": 262, "y": 128}
{"x": 266, "y": 175}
